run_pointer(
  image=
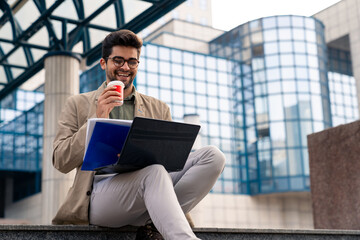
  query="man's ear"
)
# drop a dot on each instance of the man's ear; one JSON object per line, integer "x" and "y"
{"x": 102, "y": 63}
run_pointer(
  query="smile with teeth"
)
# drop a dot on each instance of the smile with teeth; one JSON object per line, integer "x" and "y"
{"x": 123, "y": 74}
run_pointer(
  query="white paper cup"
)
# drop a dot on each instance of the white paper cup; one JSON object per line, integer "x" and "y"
{"x": 119, "y": 88}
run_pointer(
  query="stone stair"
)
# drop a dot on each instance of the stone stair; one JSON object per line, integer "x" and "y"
{"x": 70, "y": 232}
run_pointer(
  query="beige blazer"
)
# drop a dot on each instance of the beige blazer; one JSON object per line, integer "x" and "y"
{"x": 69, "y": 145}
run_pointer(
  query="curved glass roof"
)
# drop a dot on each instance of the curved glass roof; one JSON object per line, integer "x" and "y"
{"x": 30, "y": 29}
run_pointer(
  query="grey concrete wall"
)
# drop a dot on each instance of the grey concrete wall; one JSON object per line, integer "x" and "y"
{"x": 334, "y": 156}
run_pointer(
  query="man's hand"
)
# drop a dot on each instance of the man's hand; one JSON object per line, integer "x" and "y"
{"x": 107, "y": 101}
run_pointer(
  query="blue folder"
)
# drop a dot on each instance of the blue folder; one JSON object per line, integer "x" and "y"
{"x": 106, "y": 143}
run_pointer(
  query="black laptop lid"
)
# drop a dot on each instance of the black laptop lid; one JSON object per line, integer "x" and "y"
{"x": 152, "y": 141}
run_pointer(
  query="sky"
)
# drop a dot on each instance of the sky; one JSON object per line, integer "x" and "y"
{"x": 228, "y": 14}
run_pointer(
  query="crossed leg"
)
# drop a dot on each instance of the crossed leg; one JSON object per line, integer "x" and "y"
{"x": 152, "y": 193}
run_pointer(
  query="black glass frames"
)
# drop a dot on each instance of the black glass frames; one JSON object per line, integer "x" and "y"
{"x": 120, "y": 61}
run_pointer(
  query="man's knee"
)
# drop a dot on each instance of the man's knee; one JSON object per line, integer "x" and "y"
{"x": 156, "y": 171}
{"x": 215, "y": 157}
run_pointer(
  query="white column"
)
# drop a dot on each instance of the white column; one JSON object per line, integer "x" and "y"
{"x": 61, "y": 81}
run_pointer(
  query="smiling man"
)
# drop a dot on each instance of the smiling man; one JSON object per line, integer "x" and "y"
{"x": 150, "y": 197}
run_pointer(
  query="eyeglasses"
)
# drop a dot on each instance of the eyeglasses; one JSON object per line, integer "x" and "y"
{"x": 120, "y": 61}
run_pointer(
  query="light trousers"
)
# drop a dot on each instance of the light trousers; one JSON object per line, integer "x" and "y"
{"x": 152, "y": 193}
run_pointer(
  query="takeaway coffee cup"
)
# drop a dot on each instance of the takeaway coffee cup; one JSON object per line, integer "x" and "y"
{"x": 119, "y": 88}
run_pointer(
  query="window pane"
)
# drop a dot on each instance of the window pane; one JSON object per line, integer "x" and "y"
{"x": 273, "y": 74}
{"x": 165, "y": 95}
{"x": 276, "y": 108}
{"x": 292, "y": 134}
{"x": 274, "y": 87}
{"x": 289, "y": 86}
{"x": 295, "y": 161}
{"x": 300, "y": 47}
{"x": 301, "y": 73}
{"x": 298, "y": 34}
{"x": 279, "y": 162}
{"x": 300, "y": 60}
{"x": 176, "y": 56}
{"x": 152, "y": 65}
{"x": 177, "y": 84}
{"x": 297, "y": 21}
{"x": 269, "y": 22}
{"x": 317, "y": 110}
{"x": 270, "y": 35}
{"x": 188, "y": 58}
{"x": 271, "y": 48}
{"x": 164, "y": 53}
{"x": 285, "y": 34}
{"x": 210, "y": 63}
{"x": 200, "y": 87}
{"x": 188, "y": 72}
{"x": 286, "y": 47}
{"x": 272, "y": 61}
{"x": 165, "y": 68}
{"x": 287, "y": 59}
{"x": 176, "y": 70}
{"x": 284, "y": 21}
{"x": 288, "y": 73}
{"x": 165, "y": 82}
{"x": 151, "y": 51}
{"x": 310, "y": 36}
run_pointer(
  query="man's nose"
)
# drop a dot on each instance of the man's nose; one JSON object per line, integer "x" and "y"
{"x": 125, "y": 66}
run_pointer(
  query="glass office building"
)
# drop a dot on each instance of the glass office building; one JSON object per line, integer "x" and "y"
{"x": 263, "y": 88}
{"x": 281, "y": 96}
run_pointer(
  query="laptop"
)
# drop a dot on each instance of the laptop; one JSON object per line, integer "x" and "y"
{"x": 152, "y": 141}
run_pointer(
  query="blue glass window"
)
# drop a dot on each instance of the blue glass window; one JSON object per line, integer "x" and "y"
{"x": 270, "y": 35}
{"x": 270, "y": 48}
{"x": 269, "y": 23}
{"x": 298, "y": 34}
{"x": 272, "y": 61}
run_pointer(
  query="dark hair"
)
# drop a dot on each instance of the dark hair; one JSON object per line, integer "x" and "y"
{"x": 122, "y": 37}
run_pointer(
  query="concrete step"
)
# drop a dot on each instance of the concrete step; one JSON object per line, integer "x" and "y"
{"x": 69, "y": 232}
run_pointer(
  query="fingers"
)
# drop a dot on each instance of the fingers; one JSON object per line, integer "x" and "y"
{"x": 107, "y": 100}
{"x": 111, "y": 92}
{"x": 110, "y": 95}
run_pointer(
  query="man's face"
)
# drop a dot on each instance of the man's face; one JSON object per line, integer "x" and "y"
{"x": 123, "y": 73}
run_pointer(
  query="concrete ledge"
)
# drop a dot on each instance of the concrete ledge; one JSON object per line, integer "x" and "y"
{"x": 70, "y": 232}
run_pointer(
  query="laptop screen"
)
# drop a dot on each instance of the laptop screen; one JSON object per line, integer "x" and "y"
{"x": 152, "y": 141}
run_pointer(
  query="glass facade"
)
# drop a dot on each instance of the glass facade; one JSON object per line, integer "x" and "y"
{"x": 342, "y": 86}
{"x": 21, "y": 131}
{"x": 21, "y": 141}
{"x": 263, "y": 88}
{"x": 281, "y": 96}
